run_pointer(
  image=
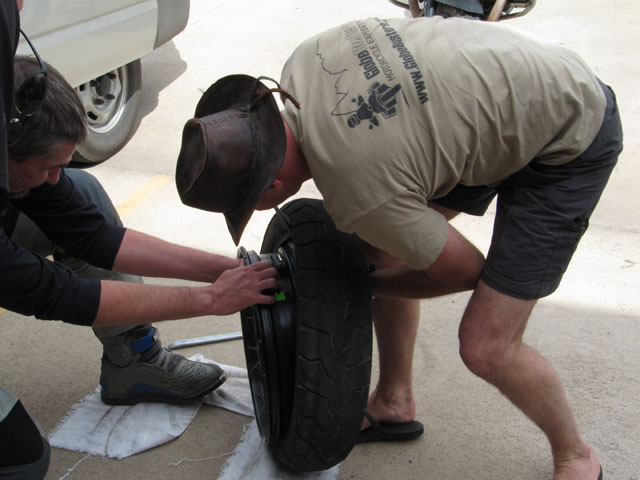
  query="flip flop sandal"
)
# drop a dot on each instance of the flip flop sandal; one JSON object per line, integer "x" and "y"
{"x": 389, "y": 432}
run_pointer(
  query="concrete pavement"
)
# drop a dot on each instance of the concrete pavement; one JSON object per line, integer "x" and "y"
{"x": 589, "y": 329}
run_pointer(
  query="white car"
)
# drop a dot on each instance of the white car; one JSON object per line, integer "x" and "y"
{"x": 97, "y": 46}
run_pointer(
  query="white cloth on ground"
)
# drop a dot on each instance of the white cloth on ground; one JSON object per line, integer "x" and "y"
{"x": 120, "y": 431}
{"x": 123, "y": 430}
{"x": 251, "y": 461}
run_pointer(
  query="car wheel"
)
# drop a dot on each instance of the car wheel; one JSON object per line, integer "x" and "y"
{"x": 111, "y": 103}
{"x": 309, "y": 355}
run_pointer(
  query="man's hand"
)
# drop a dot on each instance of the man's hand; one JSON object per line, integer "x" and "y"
{"x": 123, "y": 303}
{"x": 241, "y": 287}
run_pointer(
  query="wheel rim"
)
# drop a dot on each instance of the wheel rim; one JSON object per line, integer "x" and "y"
{"x": 269, "y": 343}
{"x": 104, "y": 99}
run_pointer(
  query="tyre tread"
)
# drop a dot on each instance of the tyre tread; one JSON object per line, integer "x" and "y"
{"x": 334, "y": 335}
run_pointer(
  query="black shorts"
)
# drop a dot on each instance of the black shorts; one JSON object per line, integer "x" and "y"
{"x": 542, "y": 212}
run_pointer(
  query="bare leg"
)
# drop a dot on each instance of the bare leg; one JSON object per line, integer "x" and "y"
{"x": 491, "y": 346}
{"x": 396, "y": 325}
{"x": 396, "y": 318}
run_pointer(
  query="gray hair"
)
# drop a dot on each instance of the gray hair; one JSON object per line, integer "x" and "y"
{"x": 60, "y": 120}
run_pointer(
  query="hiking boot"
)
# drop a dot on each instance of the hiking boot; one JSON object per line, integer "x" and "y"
{"x": 137, "y": 369}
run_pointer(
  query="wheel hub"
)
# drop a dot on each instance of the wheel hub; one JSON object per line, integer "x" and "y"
{"x": 104, "y": 86}
{"x": 269, "y": 343}
{"x": 103, "y": 100}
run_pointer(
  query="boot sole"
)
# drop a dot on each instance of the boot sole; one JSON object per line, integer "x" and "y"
{"x": 158, "y": 397}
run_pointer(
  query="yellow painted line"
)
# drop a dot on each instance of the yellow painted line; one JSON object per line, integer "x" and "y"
{"x": 142, "y": 194}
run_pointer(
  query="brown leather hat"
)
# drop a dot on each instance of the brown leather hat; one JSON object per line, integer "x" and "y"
{"x": 232, "y": 150}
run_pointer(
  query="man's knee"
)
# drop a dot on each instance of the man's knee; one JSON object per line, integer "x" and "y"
{"x": 491, "y": 330}
{"x": 92, "y": 190}
{"x": 483, "y": 357}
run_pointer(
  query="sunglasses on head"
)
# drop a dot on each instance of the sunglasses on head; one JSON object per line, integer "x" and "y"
{"x": 28, "y": 99}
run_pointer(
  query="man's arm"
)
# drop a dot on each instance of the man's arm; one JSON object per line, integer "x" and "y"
{"x": 124, "y": 303}
{"x": 456, "y": 269}
{"x": 148, "y": 256}
{"x": 416, "y": 252}
{"x": 233, "y": 287}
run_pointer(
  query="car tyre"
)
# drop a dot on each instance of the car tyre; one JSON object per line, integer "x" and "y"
{"x": 311, "y": 414}
{"x": 112, "y": 103}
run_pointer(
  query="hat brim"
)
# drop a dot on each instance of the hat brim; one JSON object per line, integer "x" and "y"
{"x": 239, "y": 92}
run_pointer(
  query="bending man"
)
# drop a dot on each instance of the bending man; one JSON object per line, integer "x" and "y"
{"x": 402, "y": 124}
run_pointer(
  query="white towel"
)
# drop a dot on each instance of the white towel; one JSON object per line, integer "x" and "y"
{"x": 234, "y": 394}
{"x": 119, "y": 431}
{"x": 115, "y": 431}
{"x": 252, "y": 461}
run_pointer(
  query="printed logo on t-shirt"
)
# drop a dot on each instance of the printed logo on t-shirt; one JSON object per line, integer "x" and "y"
{"x": 380, "y": 100}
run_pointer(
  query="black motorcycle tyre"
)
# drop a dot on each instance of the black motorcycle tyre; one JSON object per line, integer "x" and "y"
{"x": 333, "y": 337}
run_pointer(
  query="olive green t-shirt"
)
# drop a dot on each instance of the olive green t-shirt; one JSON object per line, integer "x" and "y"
{"x": 395, "y": 112}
